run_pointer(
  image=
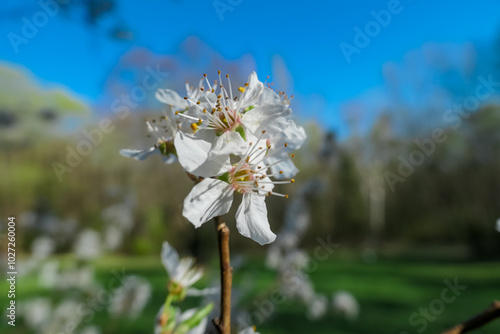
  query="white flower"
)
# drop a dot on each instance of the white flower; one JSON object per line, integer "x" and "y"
{"x": 290, "y": 139}
{"x": 49, "y": 274}
{"x": 80, "y": 278}
{"x": 113, "y": 237}
{"x": 42, "y": 247}
{"x": 181, "y": 272}
{"x": 36, "y": 312}
{"x": 163, "y": 130}
{"x": 345, "y": 303}
{"x": 64, "y": 315}
{"x": 131, "y": 298}
{"x": 303, "y": 288}
{"x": 179, "y": 327}
{"x": 213, "y": 197}
{"x": 91, "y": 330}
{"x": 120, "y": 215}
{"x": 248, "y": 330}
{"x": 88, "y": 244}
{"x": 221, "y": 123}
{"x": 317, "y": 307}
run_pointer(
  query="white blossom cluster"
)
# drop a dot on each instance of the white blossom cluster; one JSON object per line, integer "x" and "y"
{"x": 233, "y": 141}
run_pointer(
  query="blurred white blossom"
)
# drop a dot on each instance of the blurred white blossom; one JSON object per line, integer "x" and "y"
{"x": 90, "y": 330}
{"x": 345, "y": 304}
{"x": 317, "y": 307}
{"x": 66, "y": 315}
{"x": 119, "y": 215}
{"x": 88, "y": 245}
{"x": 36, "y": 312}
{"x": 48, "y": 276}
{"x": 113, "y": 237}
{"x": 42, "y": 247}
{"x": 130, "y": 299}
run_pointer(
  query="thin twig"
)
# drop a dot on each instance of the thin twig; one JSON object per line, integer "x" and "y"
{"x": 479, "y": 320}
{"x": 223, "y": 323}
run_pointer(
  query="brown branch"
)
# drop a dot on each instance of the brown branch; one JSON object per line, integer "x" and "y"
{"x": 479, "y": 320}
{"x": 223, "y": 323}
{"x": 196, "y": 179}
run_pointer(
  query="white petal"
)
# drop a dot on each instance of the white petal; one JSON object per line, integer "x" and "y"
{"x": 203, "y": 292}
{"x": 265, "y": 185}
{"x": 248, "y": 330}
{"x": 208, "y": 199}
{"x": 169, "y": 158}
{"x": 272, "y": 118}
{"x": 252, "y": 92}
{"x": 200, "y": 328}
{"x": 251, "y": 219}
{"x": 139, "y": 154}
{"x": 294, "y": 135}
{"x": 169, "y": 258}
{"x": 229, "y": 142}
{"x": 171, "y": 97}
{"x": 192, "y": 276}
{"x": 268, "y": 96}
{"x": 286, "y": 166}
{"x": 187, "y": 314}
{"x": 193, "y": 152}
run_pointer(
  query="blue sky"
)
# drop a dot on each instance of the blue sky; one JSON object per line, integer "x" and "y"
{"x": 306, "y": 35}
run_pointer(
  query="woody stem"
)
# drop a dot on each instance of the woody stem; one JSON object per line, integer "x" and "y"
{"x": 223, "y": 323}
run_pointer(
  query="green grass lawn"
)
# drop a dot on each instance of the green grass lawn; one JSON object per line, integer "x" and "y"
{"x": 389, "y": 292}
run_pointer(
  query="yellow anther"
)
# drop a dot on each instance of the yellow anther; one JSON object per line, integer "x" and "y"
{"x": 281, "y": 172}
{"x": 292, "y": 180}
{"x": 194, "y": 127}
{"x": 204, "y": 75}
{"x": 263, "y": 131}
{"x": 293, "y": 155}
{"x": 286, "y": 196}
{"x": 246, "y": 85}
{"x": 204, "y": 110}
{"x": 241, "y": 89}
{"x": 185, "y": 98}
{"x": 286, "y": 144}
{"x": 198, "y": 102}
{"x": 177, "y": 112}
{"x": 218, "y": 72}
